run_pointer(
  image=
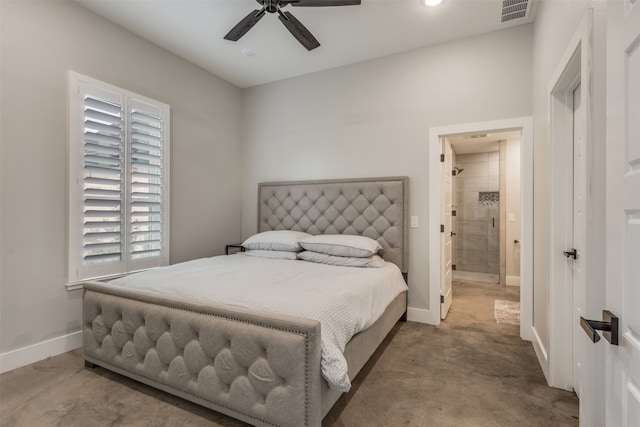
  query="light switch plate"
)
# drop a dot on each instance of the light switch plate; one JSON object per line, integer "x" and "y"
{"x": 414, "y": 222}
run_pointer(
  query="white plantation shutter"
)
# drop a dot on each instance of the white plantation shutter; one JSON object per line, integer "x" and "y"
{"x": 147, "y": 158}
{"x": 118, "y": 197}
{"x": 103, "y": 174}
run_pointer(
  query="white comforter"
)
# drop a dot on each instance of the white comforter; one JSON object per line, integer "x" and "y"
{"x": 346, "y": 300}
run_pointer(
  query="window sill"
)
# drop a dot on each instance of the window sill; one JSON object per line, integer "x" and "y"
{"x": 80, "y": 285}
{"x": 74, "y": 286}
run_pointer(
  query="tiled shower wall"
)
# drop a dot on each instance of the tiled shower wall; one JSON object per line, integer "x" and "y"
{"x": 476, "y": 243}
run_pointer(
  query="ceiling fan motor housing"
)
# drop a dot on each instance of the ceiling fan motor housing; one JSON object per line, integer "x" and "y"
{"x": 271, "y": 6}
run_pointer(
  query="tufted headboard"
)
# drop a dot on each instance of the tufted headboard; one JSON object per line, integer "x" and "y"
{"x": 374, "y": 207}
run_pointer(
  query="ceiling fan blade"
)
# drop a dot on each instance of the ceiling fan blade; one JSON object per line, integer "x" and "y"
{"x": 299, "y": 31}
{"x": 245, "y": 25}
{"x": 318, "y": 3}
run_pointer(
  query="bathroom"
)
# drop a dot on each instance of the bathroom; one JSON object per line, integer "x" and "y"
{"x": 486, "y": 208}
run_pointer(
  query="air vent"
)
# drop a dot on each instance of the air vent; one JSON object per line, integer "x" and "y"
{"x": 514, "y": 9}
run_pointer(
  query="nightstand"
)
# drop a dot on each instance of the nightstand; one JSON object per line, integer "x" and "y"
{"x": 233, "y": 246}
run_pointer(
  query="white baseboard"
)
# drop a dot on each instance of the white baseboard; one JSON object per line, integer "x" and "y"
{"x": 421, "y": 315}
{"x": 541, "y": 353}
{"x": 513, "y": 280}
{"x": 34, "y": 353}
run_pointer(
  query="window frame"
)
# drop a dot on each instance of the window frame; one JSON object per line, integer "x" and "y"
{"x": 78, "y": 271}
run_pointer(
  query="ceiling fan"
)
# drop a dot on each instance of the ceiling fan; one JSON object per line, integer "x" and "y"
{"x": 294, "y": 26}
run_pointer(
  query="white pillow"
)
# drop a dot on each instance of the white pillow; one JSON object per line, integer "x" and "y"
{"x": 345, "y": 245}
{"x": 277, "y": 240}
{"x": 270, "y": 254}
{"x": 372, "y": 261}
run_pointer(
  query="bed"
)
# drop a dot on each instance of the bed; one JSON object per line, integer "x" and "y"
{"x": 176, "y": 344}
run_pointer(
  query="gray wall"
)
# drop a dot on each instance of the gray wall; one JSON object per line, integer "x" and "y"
{"x": 373, "y": 119}
{"x": 40, "y": 42}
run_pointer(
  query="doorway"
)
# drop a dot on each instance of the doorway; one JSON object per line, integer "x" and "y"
{"x": 568, "y": 252}
{"x": 523, "y": 127}
{"x": 486, "y": 213}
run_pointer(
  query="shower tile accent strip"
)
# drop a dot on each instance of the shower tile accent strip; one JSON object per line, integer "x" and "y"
{"x": 488, "y": 198}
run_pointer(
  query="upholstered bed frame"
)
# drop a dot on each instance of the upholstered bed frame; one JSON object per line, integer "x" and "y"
{"x": 175, "y": 346}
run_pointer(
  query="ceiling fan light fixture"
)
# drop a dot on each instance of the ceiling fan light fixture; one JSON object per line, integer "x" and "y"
{"x": 432, "y": 3}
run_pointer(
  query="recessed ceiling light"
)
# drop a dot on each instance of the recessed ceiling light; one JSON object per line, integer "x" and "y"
{"x": 249, "y": 52}
{"x": 432, "y": 2}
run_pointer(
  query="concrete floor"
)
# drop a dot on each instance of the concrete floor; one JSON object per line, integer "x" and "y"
{"x": 469, "y": 371}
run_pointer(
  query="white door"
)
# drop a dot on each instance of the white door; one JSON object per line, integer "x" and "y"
{"x": 623, "y": 211}
{"x": 446, "y": 204}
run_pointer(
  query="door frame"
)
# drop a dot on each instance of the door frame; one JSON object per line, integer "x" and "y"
{"x": 525, "y": 126}
{"x": 573, "y": 69}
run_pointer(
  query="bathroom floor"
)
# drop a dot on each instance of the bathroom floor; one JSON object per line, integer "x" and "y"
{"x": 475, "y": 277}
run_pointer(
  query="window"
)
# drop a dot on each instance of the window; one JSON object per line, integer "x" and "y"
{"x": 118, "y": 181}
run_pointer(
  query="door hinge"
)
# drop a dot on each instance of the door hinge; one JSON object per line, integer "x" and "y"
{"x": 442, "y": 228}
{"x": 441, "y": 299}
{"x": 442, "y": 157}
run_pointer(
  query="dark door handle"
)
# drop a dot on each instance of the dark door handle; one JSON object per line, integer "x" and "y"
{"x": 573, "y": 253}
{"x": 609, "y": 326}
{"x": 453, "y": 234}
